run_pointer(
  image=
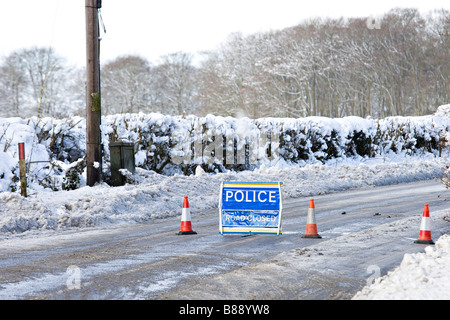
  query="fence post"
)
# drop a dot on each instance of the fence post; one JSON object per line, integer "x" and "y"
{"x": 23, "y": 170}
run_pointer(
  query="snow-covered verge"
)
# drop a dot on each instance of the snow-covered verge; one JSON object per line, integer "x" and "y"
{"x": 154, "y": 196}
{"x": 420, "y": 276}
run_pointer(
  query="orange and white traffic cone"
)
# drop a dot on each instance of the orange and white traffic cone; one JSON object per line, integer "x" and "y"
{"x": 311, "y": 226}
{"x": 425, "y": 230}
{"x": 186, "y": 224}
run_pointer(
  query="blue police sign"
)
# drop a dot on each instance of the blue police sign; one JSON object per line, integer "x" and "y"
{"x": 250, "y": 207}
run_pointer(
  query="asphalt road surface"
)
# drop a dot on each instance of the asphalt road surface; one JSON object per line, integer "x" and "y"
{"x": 365, "y": 233}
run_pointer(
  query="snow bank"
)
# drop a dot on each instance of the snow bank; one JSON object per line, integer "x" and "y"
{"x": 55, "y": 148}
{"x": 155, "y": 196}
{"x": 7, "y": 166}
{"x": 420, "y": 276}
{"x": 443, "y": 111}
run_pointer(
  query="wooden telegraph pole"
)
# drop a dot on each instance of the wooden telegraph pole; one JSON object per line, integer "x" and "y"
{"x": 93, "y": 97}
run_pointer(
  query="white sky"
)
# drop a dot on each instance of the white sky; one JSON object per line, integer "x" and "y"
{"x": 153, "y": 28}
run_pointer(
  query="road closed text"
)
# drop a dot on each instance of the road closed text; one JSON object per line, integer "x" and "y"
{"x": 250, "y": 218}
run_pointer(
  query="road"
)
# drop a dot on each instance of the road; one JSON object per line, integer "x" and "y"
{"x": 365, "y": 233}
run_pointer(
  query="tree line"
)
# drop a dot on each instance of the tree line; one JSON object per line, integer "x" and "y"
{"x": 396, "y": 64}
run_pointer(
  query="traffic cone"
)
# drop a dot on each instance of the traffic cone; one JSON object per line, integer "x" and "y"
{"x": 311, "y": 226}
{"x": 186, "y": 225}
{"x": 425, "y": 230}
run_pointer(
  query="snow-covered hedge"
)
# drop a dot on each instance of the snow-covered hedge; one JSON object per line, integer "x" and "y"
{"x": 55, "y": 148}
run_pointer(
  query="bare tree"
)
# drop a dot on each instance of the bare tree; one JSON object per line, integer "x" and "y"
{"x": 12, "y": 84}
{"x": 321, "y": 67}
{"x": 174, "y": 84}
{"x": 332, "y": 67}
{"x": 125, "y": 83}
{"x": 34, "y": 81}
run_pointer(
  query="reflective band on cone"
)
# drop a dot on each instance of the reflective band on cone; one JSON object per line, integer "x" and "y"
{"x": 425, "y": 228}
{"x": 186, "y": 224}
{"x": 311, "y": 226}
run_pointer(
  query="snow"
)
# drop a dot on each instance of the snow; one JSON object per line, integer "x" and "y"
{"x": 150, "y": 195}
{"x": 7, "y": 163}
{"x": 420, "y": 276}
{"x": 155, "y": 196}
{"x": 443, "y": 111}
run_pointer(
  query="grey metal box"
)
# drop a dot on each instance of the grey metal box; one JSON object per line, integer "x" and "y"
{"x": 122, "y": 157}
